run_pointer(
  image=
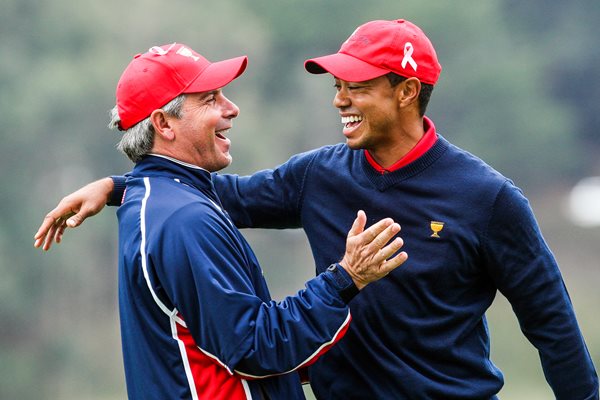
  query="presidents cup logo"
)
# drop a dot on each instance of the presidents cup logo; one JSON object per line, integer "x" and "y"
{"x": 184, "y": 51}
{"x": 436, "y": 227}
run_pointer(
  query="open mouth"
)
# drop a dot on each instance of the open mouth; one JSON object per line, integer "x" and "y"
{"x": 351, "y": 122}
{"x": 221, "y": 134}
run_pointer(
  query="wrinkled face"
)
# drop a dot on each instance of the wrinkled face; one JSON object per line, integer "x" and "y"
{"x": 369, "y": 112}
{"x": 202, "y": 129}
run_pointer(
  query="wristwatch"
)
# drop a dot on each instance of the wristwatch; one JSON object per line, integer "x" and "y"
{"x": 347, "y": 287}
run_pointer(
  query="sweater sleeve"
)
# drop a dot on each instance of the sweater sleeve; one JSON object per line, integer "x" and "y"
{"x": 211, "y": 279}
{"x": 270, "y": 198}
{"x": 119, "y": 185}
{"x": 526, "y": 272}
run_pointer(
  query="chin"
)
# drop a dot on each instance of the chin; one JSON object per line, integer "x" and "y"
{"x": 354, "y": 144}
{"x": 226, "y": 162}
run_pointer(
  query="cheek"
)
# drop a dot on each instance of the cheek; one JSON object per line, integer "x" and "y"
{"x": 205, "y": 125}
{"x": 383, "y": 113}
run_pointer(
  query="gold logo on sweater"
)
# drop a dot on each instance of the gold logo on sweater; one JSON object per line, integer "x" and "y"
{"x": 436, "y": 227}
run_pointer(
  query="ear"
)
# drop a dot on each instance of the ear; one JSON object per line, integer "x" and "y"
{"x": 162, "y": 125}
{"x": 408, "y": 92}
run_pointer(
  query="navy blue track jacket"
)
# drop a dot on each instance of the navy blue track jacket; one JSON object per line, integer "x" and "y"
{"x": 197, "y": 320}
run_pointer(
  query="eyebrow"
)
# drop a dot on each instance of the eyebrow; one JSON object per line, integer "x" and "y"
{"x": 206, "y": 95}
{"x": 362, "y": 83}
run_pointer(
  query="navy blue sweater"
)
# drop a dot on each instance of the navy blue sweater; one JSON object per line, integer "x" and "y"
{"x": 197, "y": 320}
{"x": 421, "y": 333}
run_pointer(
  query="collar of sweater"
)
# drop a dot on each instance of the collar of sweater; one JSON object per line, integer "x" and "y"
{"x": 429, "y": 138}
{"x": 384, "y": 181}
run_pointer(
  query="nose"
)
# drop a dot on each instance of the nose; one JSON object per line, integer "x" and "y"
{"x": 230, "y": 110}
{"x": 341, "y": 99}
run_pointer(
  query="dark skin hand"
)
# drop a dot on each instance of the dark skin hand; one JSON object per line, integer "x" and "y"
{"x": 71, "y": 211}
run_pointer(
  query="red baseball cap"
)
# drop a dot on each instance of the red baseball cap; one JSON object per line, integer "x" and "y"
{"x": 379, "y": 47}
{"x": 154, "y": 78}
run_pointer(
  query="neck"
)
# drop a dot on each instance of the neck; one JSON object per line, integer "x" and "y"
{"x": 176, "y": 160}
{"x": 399, "y": 144}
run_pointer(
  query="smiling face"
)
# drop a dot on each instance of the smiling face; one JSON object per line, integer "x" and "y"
{"x": 200, "y": 133}
{"x": 369, "y": 111}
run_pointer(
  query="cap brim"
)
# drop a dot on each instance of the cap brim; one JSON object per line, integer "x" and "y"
{"x": 218, "y": 75}
{"x": 344, "y": 67}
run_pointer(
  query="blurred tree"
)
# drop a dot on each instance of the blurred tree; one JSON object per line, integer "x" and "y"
{"x": 567, "y": 35}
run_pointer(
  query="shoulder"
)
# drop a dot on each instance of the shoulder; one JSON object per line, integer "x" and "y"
{"x": 324, "y": 151}
{"x": 174, "y": 206}
{"x": 331, "y": 155}
{"x": 472, "y": 168}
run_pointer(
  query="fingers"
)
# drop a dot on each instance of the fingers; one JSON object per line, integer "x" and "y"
{"x": 359, "y": 224}
{"x": 385, "y": 236}
{"x": 60, "y": 231}
{"x": 389, "y": 250}
{"x": 394, "y": 262}
{"x": 376, "y": 229}
{"x": 46, "y": 231}
{"x": 53, "y": 226}
{"x": 72, "y": 210}
{"x": 53, "y": 234}
{"x": 43, "y": 229}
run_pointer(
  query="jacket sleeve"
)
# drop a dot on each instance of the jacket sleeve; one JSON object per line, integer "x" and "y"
{"x": 526, "y": 272}
{"x": 208, "y": 275}
{"x": 270, "y": 198}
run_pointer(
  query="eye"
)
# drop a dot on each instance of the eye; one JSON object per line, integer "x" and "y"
{"x": 337, "y": 86}
{"x": 210, "y": 97}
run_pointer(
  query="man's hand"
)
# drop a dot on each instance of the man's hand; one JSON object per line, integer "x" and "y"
{"x": 366, "y": 259}
{"x": 72, "y": 211}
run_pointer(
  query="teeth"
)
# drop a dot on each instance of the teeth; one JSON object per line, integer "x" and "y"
{"x": 222, "y": 132}
{"x": 352, "y": 118}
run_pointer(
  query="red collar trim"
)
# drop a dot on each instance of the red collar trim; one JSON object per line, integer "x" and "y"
{"x": 424, "y": 144}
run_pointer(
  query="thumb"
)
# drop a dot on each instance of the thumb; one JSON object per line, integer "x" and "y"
{"x": 359, "y": 224}
{"x": 76, "y": 219}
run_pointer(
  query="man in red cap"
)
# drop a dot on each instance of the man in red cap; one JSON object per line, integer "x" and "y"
{"x": 421, "y": 332}
{"x": 197, "y": 320}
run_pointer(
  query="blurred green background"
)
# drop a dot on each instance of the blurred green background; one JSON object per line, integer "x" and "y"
{"x": 520, "y": 88}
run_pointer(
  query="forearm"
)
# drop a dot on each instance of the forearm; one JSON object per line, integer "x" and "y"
{"x": 257, "y": 201}
{"x": 217, "y": 285}
{"x": 308, "y": 324}
{"x": 270, "y": 198}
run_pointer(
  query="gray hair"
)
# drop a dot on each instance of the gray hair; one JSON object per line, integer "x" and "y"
{"x": 138, "y": 140}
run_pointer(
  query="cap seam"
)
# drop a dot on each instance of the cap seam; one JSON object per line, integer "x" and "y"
{"x": 195, "y": 77}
